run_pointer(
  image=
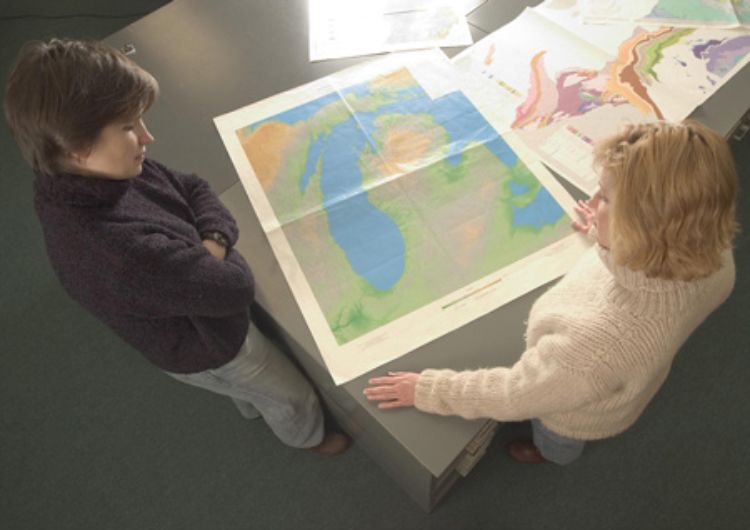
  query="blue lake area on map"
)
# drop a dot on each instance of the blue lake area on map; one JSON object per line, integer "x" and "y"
{"x": 370, "y": 238}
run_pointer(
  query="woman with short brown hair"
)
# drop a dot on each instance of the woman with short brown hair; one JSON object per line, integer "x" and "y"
{"x": 148, "y": 250}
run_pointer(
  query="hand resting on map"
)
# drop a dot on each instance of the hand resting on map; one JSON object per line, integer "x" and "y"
{"x": 394, "y": 390}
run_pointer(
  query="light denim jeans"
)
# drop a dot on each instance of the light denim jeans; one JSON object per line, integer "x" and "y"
{"x": 261, "y": 380}
{"x": 555, "y": 447}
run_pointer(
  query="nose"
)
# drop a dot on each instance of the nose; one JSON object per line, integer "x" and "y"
{"x": 144, "y": 136}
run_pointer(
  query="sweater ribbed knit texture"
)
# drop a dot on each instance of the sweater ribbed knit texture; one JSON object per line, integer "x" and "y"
{"x": 130, "y": 252}
{"x": 600, "y": 343}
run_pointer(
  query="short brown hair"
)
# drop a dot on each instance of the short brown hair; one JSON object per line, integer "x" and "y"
{"x": 673, "y": 192}
{"x": 62, "y": 93}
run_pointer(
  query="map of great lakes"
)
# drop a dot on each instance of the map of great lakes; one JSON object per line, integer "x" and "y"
{"x": 390, "y": 199}
{"x": 393, "y": 207}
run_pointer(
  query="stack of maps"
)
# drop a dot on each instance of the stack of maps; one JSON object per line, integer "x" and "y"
{"x": 406, "y": 197}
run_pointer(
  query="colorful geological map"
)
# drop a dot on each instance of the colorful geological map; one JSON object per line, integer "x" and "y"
{"x": 628, "y": 78}
{"x": 391, "y": 199}
{"x": 566, "y": 106}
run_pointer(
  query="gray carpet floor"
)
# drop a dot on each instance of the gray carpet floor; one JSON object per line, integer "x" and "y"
{"x": 92, "y": 437}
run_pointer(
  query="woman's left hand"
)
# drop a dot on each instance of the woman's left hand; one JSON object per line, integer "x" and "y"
{"x": 395, "y": 390}
{"x": 586, "y": 210}
{"x": 215, "y": 249}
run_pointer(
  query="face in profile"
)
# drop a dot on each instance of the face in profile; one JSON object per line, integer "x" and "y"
{"x": 118, "y": 153}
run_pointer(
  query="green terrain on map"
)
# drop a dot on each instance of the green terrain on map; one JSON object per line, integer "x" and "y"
{"x": 391, "y": 200}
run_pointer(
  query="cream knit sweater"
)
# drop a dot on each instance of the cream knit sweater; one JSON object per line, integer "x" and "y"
{"x": 599, "y": 344}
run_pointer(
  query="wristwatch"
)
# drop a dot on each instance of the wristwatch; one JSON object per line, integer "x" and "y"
{"x": 220, "y": 238}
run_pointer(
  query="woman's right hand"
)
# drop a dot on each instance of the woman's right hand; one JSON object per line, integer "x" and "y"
{"x": 395, "y": 390}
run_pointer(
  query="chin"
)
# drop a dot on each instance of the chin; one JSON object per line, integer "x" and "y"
{"x": 136, "y": 171}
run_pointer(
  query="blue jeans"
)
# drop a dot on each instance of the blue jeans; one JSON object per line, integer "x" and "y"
{"x": 555, "y": 447}
{"x": 261, "y": 380}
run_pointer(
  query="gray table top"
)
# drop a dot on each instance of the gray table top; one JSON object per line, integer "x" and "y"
{"x": 213, "y": 57}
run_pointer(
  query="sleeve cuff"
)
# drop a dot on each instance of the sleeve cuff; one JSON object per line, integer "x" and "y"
{"x": 426, "y": 395}
{"x": 219, "y": 237}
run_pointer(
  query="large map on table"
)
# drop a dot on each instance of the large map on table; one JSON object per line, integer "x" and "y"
{"x": 393, "y": 205}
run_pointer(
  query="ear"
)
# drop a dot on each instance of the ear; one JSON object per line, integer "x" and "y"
{"x": 77, "y": 159}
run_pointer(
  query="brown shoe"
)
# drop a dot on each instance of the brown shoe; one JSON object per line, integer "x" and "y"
{"x": 334, "y": 443}
{"x": 525, "y": 452}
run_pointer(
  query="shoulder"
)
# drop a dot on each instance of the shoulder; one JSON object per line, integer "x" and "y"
{"x": 579, "y": 337}
{"x": 722, "y": 280}
{"x": 587, "y": 276}
{"x": 581, "y": 296}
{"x": 581, "y": 320}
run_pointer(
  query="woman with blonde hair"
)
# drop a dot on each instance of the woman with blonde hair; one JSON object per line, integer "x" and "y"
{"x": 600, "y": 343}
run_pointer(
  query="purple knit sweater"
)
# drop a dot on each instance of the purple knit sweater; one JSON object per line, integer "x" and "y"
{"x": 130, "y": 252}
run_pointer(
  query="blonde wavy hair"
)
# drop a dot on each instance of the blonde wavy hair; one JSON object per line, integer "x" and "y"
{"x": 673, "y": 194}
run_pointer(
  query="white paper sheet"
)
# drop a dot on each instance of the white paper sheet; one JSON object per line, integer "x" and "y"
{"x": 346, "y": 28}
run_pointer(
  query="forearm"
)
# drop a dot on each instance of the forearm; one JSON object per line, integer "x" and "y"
{"x": 525, "y": 391}
{"x": 210, "y": 214}
{"x": 469, "y": 394}
{"x": 188, "y": 280}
